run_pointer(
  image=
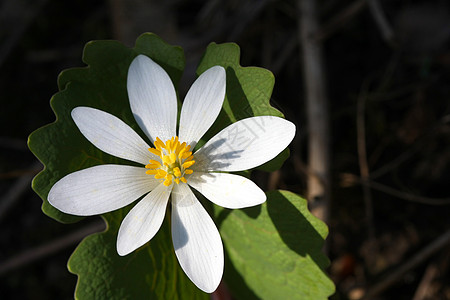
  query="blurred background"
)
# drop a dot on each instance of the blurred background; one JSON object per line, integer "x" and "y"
{"x": 367, "y": 83}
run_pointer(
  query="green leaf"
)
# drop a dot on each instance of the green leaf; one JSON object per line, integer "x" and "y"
{"x": 248, "y": 88}
{"x": 248, "y": 93}
{"x": 276, "y": 249}
{"x": 151, "y": 272}
{"x": 102, "y": 84}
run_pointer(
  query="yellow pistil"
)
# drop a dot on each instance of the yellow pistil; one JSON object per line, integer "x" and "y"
{"x": 175, "y": 161}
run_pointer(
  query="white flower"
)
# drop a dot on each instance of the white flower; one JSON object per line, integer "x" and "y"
{"x": 170, "y": 167}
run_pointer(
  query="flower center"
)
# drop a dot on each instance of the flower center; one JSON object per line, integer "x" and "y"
{"x": 175, "y": 161}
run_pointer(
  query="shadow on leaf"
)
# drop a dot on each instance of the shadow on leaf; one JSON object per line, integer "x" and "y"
{"x": 294, "y": 229}
{"x": 236, "y": 96}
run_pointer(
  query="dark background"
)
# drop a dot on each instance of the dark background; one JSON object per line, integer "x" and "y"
{"x": 406, "y": 85}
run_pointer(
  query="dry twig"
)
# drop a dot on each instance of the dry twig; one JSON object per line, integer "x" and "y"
{"x": 407, "y": 196}
{"x": 340, "y": 19}
{"x": 416, "y": 260}
{"x": 435, "y": 269}
{"x": 362, "y": 159}
{"x": 17, "y": 190}
{"x": 317, "y": 107}
{"x": 348, "y": 179}
{"x": 383, "y": 25}
{"x": 16, "y": 16}
{"x": 34, "y": 254}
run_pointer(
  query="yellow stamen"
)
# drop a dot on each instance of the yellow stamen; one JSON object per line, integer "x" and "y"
{"x": 173, "y": 158}
{"x": 154, "y": 164}
{"x": 186, "y": 155}
{"x": 166, "y": 160}
{"x": 174, "y": 161}
{"x": 181, "y": 152}
{"x": 180, "y": 147}
{"x": 159, "y": 144}
{"x": 168, "y": 180}
{"x": 188, "y": 164}
{"x": 160, "y": 174}
{"x": 155, "y": 151}
{"x": 177, "y": 172}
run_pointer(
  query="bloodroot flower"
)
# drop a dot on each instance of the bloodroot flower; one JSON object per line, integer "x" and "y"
{"x": 170, "y": 168}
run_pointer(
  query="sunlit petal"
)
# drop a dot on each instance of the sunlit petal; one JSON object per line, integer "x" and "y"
{"x": 143, "y": 221}
{"x": 245, "y": 144}
{"x": 153, "y": 99}
{"x": 100, "y": 189}
{"x": 111, "y": 135}
{"x": 196, "y": 240}
{"x": 202, "y": 105}
{"x": 227, "y": 190}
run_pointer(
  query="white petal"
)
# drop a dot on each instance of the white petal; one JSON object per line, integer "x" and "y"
{"x": 196, "y": 240}
{"x": 202, "y": 105}
{"x": 143, "y": 221}
{"x": 245, "y": 144}
{"x": 111, "y": 135}
{"x": 100, "y": 189}
{"x": 227, "y": 190}
{"x": 153, "y": 99}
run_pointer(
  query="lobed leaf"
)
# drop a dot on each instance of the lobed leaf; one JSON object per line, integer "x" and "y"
{"x": 273, "y": 250}
{"x": 248, "y": 93}
{"x": 276, "y": 250}
{"x": 152, "y": 271}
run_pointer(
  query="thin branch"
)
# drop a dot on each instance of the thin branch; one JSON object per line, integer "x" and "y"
{"x": 412, "y": 149}
{"x": 407, "y": 196}
{"x": 340, "y": 19}
{"x": 21, "y": 185}
{"x": 13, "y": 144}
{"x": 49, "y": 248}
{"x": 21, "y": 15}
{"x": 247, "y": 14}
{"x": 317, "y": 106}
{"x": 20, "y": 173}
{"x": 415, "y": 261}
{"x": 383, "y": 25}
{"x": 434, "y": 270}
{"x": 285, "y": 55}
{"x": 350, "y": 179}
{"x": 362, "y": 159}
